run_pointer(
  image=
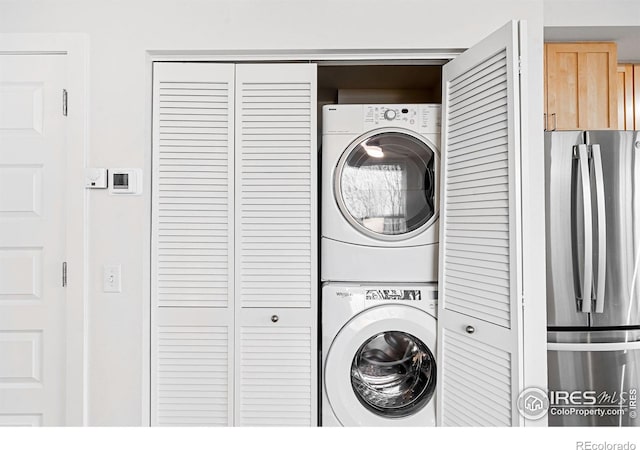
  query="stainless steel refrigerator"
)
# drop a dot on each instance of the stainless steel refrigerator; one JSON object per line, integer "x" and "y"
{"x": 593, "y": 276}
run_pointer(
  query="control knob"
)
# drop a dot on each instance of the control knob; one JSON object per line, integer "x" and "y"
{"x": 389, "y": 114}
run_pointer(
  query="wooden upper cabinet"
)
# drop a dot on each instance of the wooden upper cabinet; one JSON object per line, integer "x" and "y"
{"x": 581, "y": 86}
{"x": 625, "y": 97}
{"x": 636, "y": 96}
{"x": 629, "y": 96}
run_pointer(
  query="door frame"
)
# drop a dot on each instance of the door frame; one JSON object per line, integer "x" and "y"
{"x": 322, "y": 57}
{"x": 75, "y": 47}
{"x": 532, "y": 191}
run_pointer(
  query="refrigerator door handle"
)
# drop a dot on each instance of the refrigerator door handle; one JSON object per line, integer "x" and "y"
{"x": 580, "y": 151}
{"x": 602, "y": 228}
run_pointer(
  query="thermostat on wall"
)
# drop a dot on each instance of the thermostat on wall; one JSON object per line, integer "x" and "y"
{"x": 125, "y": 181}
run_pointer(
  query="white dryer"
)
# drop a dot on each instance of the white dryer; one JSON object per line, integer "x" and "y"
{"x": 380, "y": 180}
{"x": 378, "y": 355}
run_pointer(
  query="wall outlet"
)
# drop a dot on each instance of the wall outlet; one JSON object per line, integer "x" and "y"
{"x": 112, "y": 279}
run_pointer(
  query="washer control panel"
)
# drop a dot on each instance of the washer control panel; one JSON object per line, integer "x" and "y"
{"x": 423, "y": 296}
{"x": 421, "y": 118}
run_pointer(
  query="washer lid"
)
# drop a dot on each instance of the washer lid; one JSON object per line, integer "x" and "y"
{"x": 386, "y": 184}
{"x": 381, "y": 368}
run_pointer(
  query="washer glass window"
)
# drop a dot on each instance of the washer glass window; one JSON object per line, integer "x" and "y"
{"x": 386, "y": 184}
{"x": 393, "y": 374}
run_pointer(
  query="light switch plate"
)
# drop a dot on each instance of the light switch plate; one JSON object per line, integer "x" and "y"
{"x": 112, "y": 279}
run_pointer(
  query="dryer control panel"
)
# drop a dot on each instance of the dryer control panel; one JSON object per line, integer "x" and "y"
{"x": 421, "y": 118}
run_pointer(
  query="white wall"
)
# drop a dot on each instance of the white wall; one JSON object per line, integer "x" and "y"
{"x": 120, "y": 33}
{"x": 595, "y": 20}
{"x": 591, "y": 13}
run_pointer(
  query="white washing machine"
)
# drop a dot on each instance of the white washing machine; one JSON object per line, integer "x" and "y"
{"x": 378, "y": 355}
{"x": 380, "y": 183}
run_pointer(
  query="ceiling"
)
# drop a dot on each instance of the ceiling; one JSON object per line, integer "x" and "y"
{"x": 627, "y": 38}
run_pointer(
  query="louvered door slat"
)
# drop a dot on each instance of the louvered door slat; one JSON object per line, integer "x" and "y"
{"x": 192, "y": 373}
{"x": 478, "y": 384}
{"x": 193, "y": 391}
{"x": 275, "y": 376}
{"x": 192, "y": 334}
{"x": 276, "y": 274}
{"x": 479, "y": 307}
{"x": 275, "y": 194}
{"x": 193, "y": 183}
{"x": 485, "y": 166}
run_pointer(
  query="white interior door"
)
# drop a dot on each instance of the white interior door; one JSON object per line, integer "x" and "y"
{"x": 32, "y": 239}
{"x": 192, "y": 245}
{"x": 480, "y": 281}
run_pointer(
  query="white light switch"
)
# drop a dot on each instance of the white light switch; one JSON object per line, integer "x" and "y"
{"x": 112, "y": 279}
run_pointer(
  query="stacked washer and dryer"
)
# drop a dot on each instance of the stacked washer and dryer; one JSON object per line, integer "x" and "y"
{"x": 379, "y": 253}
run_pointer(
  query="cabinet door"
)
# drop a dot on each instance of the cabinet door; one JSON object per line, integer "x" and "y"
{"x": 625, "y": 96}
{"x": 192, "y": 244}
{"x": 581, "y": 85}
{"x": 480, "y": 280}
{"x": 276, "y": 244}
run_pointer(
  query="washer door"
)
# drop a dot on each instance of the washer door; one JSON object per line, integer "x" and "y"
{"x": 381, "y": 368}
{"x": 386, "y": 184}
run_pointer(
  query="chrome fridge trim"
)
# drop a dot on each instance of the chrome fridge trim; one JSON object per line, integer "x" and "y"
{"x": 593, "y": 346}
{"x": 591, "y": 335}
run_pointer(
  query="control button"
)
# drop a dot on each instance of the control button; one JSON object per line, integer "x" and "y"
{"x": 389, "y": 114}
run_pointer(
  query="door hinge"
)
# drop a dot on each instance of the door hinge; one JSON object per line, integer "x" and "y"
{"x": 519, "y": 65}
{"x": 64, "y": 274}
{"x": 64, "y": 102}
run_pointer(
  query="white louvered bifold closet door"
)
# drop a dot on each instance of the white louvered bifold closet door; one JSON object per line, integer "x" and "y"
{"x": 480, "y": 311}
{"x": 192, "y": 244}
{"x": 276, "y": 240}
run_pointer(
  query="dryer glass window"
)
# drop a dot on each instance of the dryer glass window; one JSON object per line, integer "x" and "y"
{"x": 393, "y": 374}
{"x": 387, "y": 184}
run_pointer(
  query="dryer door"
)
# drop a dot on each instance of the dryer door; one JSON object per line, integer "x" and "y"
{"x": 386, "y": 184}
{"x": 381, "y": 368}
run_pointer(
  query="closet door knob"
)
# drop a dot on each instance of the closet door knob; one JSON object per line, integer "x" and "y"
{"x": 470, "y": 329}
{"x": 275, "y": 318}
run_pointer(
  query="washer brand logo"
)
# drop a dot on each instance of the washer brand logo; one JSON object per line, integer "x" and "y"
{"x": 394, "y": 294}
{"x": 344, "y": 294}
